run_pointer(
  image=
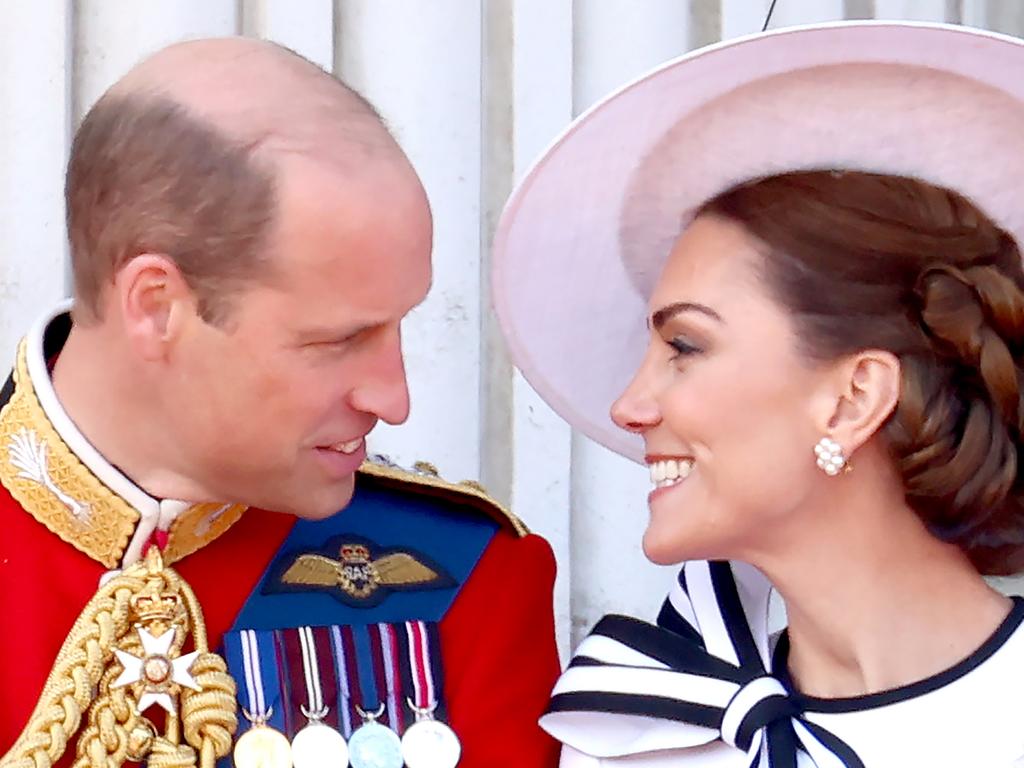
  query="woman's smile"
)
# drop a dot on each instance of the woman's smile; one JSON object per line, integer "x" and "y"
{"x": 668, "y": 472}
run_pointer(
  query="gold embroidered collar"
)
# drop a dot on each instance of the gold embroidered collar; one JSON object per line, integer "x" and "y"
{"x": 63, "y": 482}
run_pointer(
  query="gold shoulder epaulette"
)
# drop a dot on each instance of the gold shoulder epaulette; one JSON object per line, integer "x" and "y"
{"x": 424, "y": 478}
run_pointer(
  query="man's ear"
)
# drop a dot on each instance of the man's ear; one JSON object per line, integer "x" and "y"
{"x": 154, "y": 300}
{"x": 860, "y": 392}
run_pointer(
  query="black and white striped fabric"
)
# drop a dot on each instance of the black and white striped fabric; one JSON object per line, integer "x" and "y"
{"x": 699, "y": 676}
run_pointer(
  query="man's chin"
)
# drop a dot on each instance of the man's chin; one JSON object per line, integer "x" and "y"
{"x": 329, "y": 504}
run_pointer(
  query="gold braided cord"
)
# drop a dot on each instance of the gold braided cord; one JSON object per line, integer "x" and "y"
{"x": 107, "y": 739}
{"x": 76, "y": 673}
{"x": 83, "y": 674}
{"x": 167, "y": 755}
{"x": 208, "y": 715}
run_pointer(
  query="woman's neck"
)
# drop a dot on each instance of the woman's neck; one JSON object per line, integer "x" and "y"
{"x": 875, "y": 601}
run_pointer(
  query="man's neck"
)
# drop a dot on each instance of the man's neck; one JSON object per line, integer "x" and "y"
{"x": 101, "y": 396}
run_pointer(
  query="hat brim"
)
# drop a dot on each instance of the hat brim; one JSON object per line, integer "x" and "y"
{"x": 586, "y": 233}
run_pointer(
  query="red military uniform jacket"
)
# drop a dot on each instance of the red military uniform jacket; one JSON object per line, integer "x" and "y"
{"x": 67, "y": 517}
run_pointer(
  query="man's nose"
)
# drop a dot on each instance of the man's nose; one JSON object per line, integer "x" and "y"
{"x": 384, "y": 391}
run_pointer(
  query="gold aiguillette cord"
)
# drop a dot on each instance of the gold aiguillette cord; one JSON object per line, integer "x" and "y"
{"x": 125, "y": 651}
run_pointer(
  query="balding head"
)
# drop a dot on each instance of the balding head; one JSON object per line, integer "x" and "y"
{"x": 260, "y": 93}
{"x": 181, "y": 157}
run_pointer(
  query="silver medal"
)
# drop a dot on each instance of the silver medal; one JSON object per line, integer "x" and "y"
{"x": 429, "y": 743}
{"x": 374, "y": 745}
{"x": 319, "y": 746}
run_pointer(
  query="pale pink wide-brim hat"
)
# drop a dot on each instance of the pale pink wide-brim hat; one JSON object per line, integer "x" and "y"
{"x": 586, "y": 233}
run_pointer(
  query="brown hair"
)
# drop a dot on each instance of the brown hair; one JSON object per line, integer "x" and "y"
{"x": 146, "y": 177}
{"x": 870, "y": 261}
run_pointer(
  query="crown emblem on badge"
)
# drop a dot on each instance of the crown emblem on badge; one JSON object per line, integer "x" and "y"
{"x": 354, "y": 553}
{"x": 154, "y": 604}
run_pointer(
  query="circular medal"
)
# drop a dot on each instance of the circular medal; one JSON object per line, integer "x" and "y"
{"x": 375, "y": 746}
{"x": 319, "y": 746}
{"x": 263, "y": 747}
{"x": 430, "y": 744}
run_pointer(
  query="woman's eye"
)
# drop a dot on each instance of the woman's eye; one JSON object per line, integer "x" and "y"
{"x": 682, "y": 348}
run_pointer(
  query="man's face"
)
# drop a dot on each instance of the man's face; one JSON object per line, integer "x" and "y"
{"x": 274, "y": 406}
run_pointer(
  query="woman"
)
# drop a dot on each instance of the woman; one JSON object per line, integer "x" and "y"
{"x": 821, "y": 369}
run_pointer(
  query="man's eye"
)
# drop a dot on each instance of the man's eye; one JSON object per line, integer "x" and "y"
{"x": 345, "y": 341}
{"x": 331, "y": 345}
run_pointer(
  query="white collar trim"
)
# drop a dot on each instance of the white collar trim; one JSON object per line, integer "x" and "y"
{"x": 154, "y": 513}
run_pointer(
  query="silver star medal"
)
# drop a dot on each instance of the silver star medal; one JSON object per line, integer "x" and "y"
{"x": 156, "y": 670}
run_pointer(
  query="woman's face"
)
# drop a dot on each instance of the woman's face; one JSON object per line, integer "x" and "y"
{"x": 724, "y": 403}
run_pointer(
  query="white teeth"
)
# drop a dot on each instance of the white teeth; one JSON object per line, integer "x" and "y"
{"x": 670, "y": 471}
{"x": 348, "y": 448}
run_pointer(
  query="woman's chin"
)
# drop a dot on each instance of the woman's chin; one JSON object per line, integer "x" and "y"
{"x": 674, "y": 546}
{"x": 662, "y": 552}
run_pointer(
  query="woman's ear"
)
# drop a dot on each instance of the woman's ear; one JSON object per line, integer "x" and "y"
{"x": 864, "y": 391}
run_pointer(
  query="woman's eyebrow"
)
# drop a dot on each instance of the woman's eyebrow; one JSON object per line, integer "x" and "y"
{"x": 666, "y": 313}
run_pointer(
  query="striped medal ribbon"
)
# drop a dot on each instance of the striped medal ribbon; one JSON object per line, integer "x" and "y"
{"x": 263, "y": 745}
{"x": 373, "y": 744}
{"x": 428, "y": 742}
{"x": 317, "y": 745}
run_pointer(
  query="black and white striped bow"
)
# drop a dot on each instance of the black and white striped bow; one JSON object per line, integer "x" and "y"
{"x": 700, "y": 675}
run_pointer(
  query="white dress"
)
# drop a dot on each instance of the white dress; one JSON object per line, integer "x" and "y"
{"x": 699, "y": 692}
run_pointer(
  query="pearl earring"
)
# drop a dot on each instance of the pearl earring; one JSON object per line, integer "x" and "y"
{"x": 830, "y": 456}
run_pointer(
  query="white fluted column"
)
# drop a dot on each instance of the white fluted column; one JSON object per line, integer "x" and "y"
{"x": 306, "y": 26}
{"x": 997, "y": 15}
{"x": 616, "y": 40}
{"x": 35, "y": 121}
{"x": 420, "y": 65}
{"x": 542, "y": 99}
{"x": 743, "y": 17}
{"x": 112, "y": 35}
{"x": 913, "y": 10}
{"x": 790, "y": 12}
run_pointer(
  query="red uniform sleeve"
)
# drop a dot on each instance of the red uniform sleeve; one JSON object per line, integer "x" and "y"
{"x": 501, "y": 661}
{"x": 44, "y": 585}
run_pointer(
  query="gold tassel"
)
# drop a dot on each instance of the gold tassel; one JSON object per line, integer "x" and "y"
{"x": 88, "y": 679}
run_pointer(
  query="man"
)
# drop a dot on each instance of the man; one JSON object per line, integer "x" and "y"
{"x": 246, "y": 238}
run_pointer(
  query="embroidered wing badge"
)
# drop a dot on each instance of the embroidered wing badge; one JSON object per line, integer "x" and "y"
{"x": 348, "y": 569}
